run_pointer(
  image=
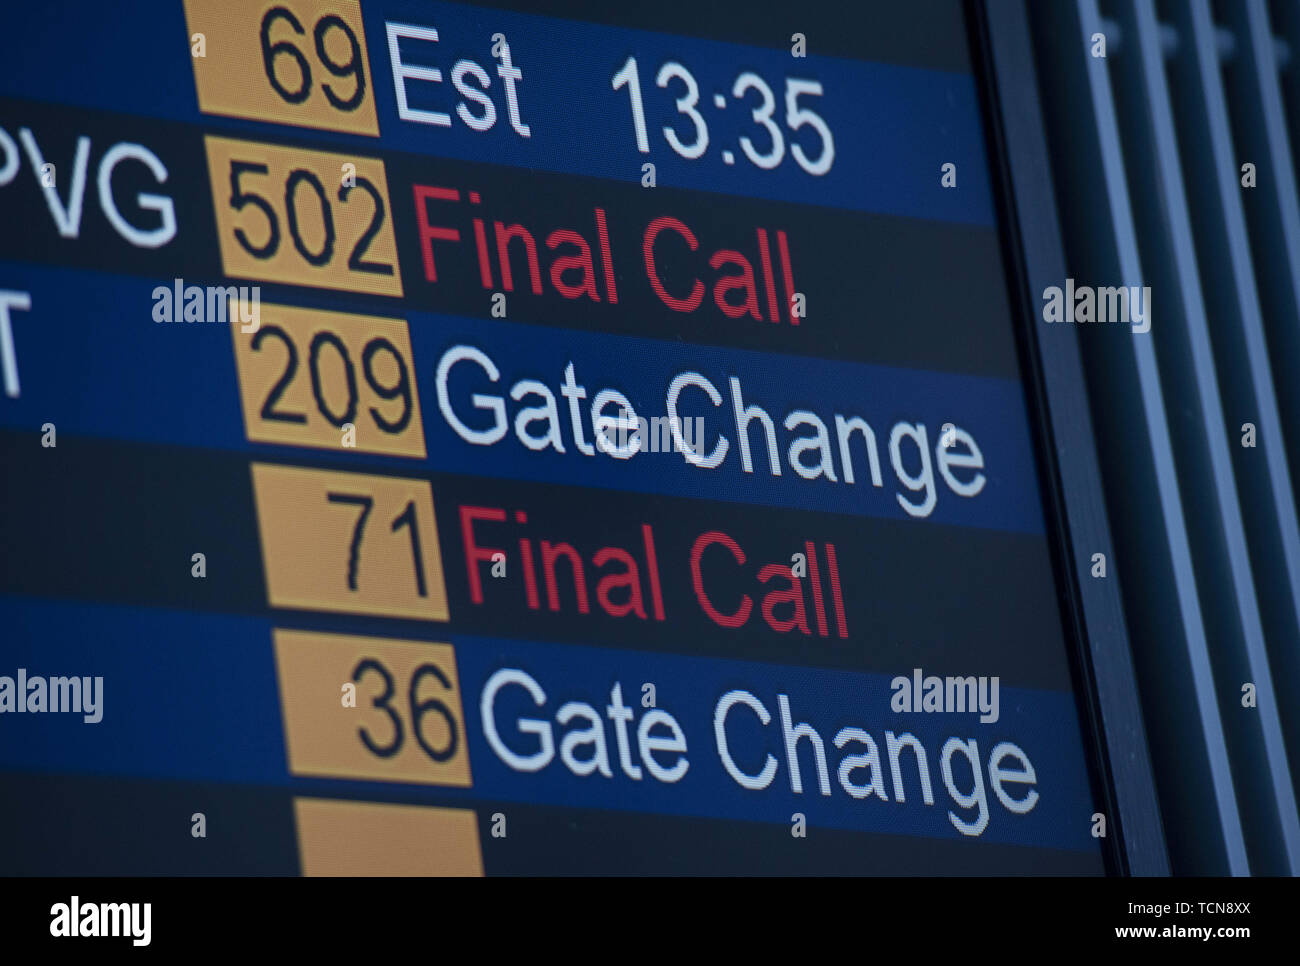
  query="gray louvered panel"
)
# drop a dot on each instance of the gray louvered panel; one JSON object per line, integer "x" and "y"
{"x": 1194, "y": 776}
{"x": 1134, "y": 799}
{"x": 1286, "y": 23}
{"x": 1201, "y": 442}
{"x": 1273, "y": 218}
{"x": 1246, "y": 384}
{"x": 1259, "y": 129}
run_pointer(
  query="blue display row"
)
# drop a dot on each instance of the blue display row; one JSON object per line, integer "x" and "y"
{"x": 532, "y": 403}
{"x": 547, "y": 94}
{"x": 195, "y": 698}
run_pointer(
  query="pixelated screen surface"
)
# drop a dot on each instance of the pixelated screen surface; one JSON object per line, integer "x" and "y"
{"x": 455, "y": 440}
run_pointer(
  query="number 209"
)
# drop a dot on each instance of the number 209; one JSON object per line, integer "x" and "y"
{"x": 308, "y": 377}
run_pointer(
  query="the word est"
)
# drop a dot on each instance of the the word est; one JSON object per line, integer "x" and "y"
{"x": 472, "y": 82}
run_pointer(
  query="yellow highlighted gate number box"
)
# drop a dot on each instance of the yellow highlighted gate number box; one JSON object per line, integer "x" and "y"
{"x": 352, "y": 543}
{"x": 405, "y": 724}
{"x": 303, "y": 217}
{"x": 337, "y": 838}
{"x": 305, "y": 375}
{"x": 301, "y": 62}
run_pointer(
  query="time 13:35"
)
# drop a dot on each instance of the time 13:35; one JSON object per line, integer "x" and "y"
{"x": 768, "y": 152}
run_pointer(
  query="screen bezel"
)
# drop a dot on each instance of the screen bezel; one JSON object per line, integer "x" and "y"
{"x": 1057, "y": 403}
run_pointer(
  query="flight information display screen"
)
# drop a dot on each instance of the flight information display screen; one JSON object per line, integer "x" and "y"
{"x": 449, "y": 439}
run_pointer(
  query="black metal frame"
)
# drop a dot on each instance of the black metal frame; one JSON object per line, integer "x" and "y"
{"x": 1092, "y": 609}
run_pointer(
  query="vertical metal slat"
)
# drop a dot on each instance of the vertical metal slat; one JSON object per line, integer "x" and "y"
{"x": 1273, "y": 218}
{"x": 1176, "y": 661}
{"x": 1245, "y": 379}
